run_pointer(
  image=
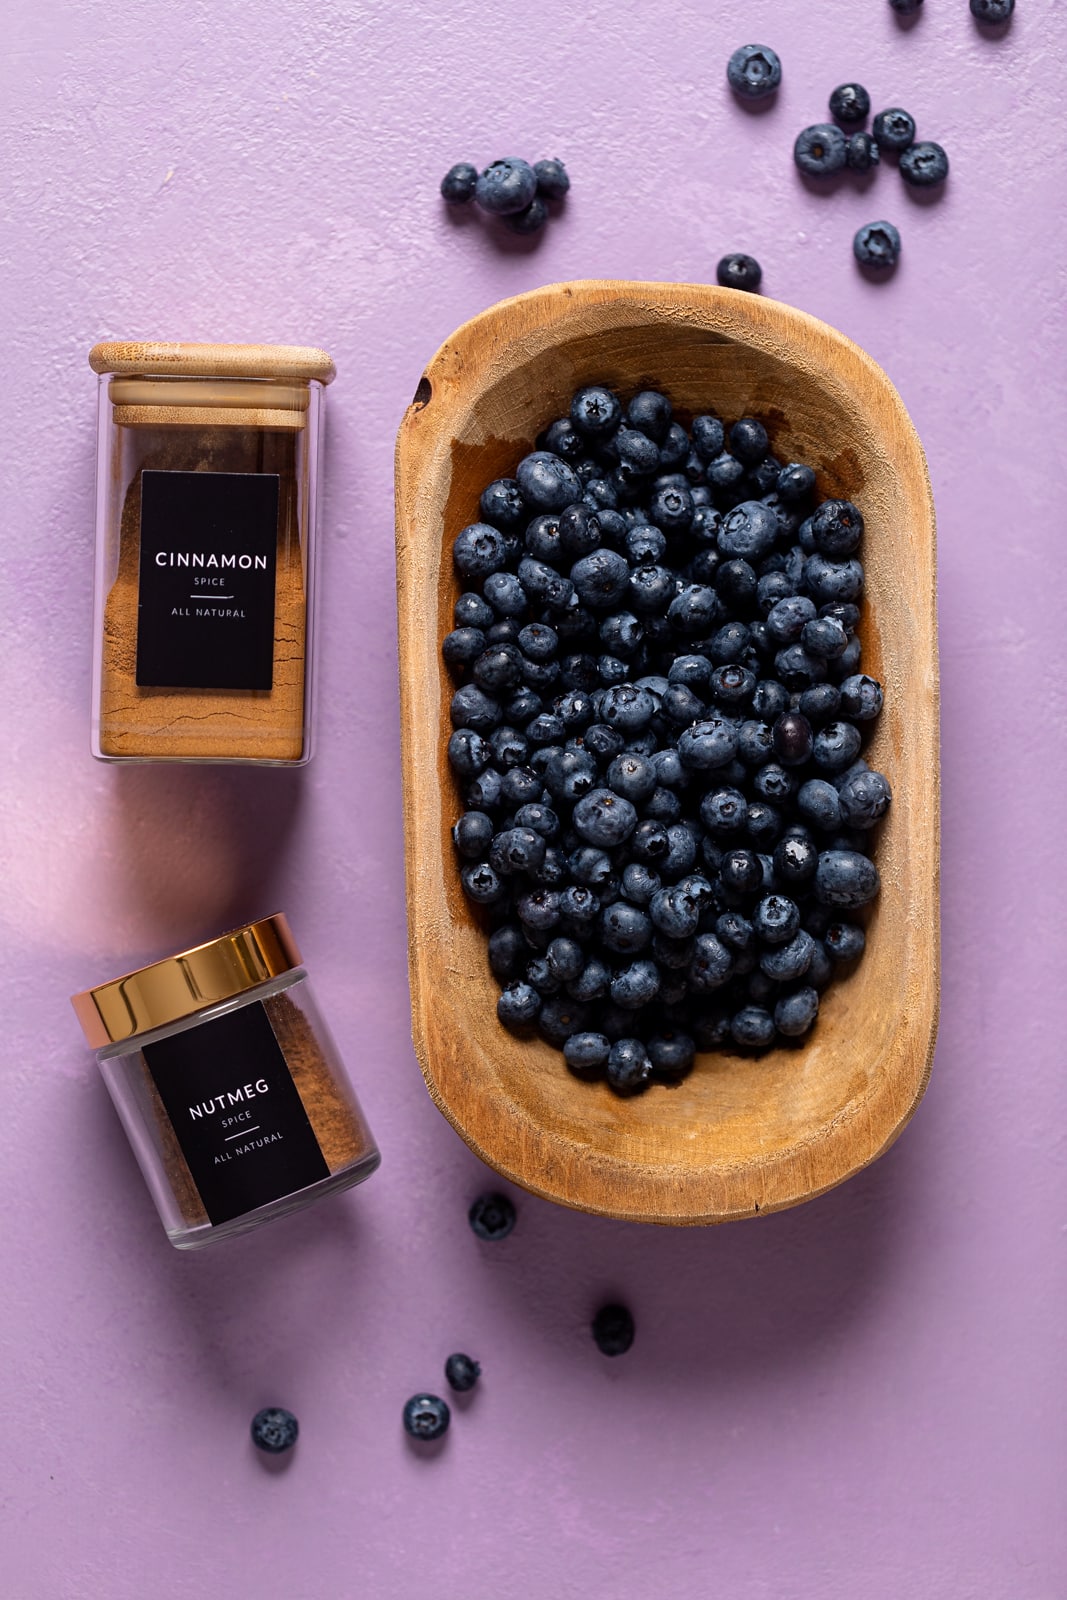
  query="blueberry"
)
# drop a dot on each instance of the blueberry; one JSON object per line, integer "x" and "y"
{"x": 820, "y": 150}
{"x": 795, "y": 860}
{"x": 695, "y": 609}
{"x": 748, "y": 531}
{"x": 274, "y": 1430}
{"x": 639, "y": 883}
{"x": 725, "y": 471}
{"x": 479, "y": 550}
{"x": 739, "y": 271}
{"x": 850, "y": 102}
{"x": 786, "y": 963}
{"x": 709, "y": 437}
{"x": 560, "y": 1018}
{"x": 461, "y": 1373}
{"x": 457, "y": 185}
{"x": 741, "y": 872}
{"x": 632, "y": 776}
{"x": 671, "y": 1053}
{"x": 505, "y": 594}
{"x": 426, "y": 1416}
{"x": 836, "y": 746}
{"x": 675, "y": 447}
{"x": 529, "y": 221}
{"x": 628, "y": 1072}
{"x": 734, "y": 931}
{"x": 863, "y": 152}
{"x": 877, "y": 244}
{"x": 552, "y": 179}
{"x": 595, "y": 412}
{"x": 506, "y": 186}
{"x": 463, "y": 646}
{"x": 906, "y": 8}
{"x": 707, "y": 744}
{"x": 636, "y": 985}
{"x": 861, "y": 698}
{"x": 748, "y": 440}
{"x": 827, "y": 581}
{"x": 894, "y": 129}
{"x": 638, "y": 454}
{"x": 481, "y": 884}
{"x": 671, "y": 508}
{"x": 471, "y": 611}
{"x": 518, "y": 1005}
{"x": 732, "y": 685}
{"x": 845, "y": 879}
{"x": 795, "y": 481}
{"x": 651, "y": 588}
{"x": 769, "y": 700}
{"x": 820, "y": 704}
{"x": 674, "y": 912}
{"x": 650, "y": 412}
{"x": 586, "y": 1054}
{"x": 601, "y": 578}
{"x": 792, "y": 738}
{"x": 845, "y": 941}
{"x": 508, "y": 951}
{"x": 924, "y": 164}
{"x": 864, "y": 799}
{"x": 776, "y": 919}
{"x": 539, "y": 909}
{"x": 472, "y": 835}
{"x": 624, "y": 929}
{"x": 825, "y": 638}
{"x": 992, "y": 11}
{"x": 492, "y": 1216}
{"x": 754, "y": 71}
{"x": 546, "y": 481}
{"x": 837, "y": 528}
{"x": 712, "y": 964}
{"x": 723, "y": 812}
{"x": 752, "y": 1027}
{"x": 795, "y": 1013}
{"x": 468, "y": 753}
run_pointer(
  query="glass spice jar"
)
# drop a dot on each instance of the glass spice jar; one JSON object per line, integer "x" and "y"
{"x": 207, "y": 479}
{"x": 228, "y": 1084}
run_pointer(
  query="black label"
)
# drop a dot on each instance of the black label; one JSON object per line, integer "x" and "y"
{"x": 209, "y": 543}
{"x": 236, "y": 1112}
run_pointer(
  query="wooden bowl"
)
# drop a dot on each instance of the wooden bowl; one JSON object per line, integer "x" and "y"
{"x": 741, "y": 1134}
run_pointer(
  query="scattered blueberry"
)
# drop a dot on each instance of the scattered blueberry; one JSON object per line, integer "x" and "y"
{"x": 613, "y": 1330}
{"x": 894, "y": 129}
{"x": 274, "y": 1430}
{"x": 924, "y": 164}
{"x": 754, "y": 71}
{"x": 426, "y": 1416}
{"x": 506, "y": 186}
{"x": 992, "y": 11}
{"x": 552, "y": 179}
{"x": 461, "y": 1373}
{"x": 738, "y": 271}
{"x": 906, "y": 8}
{"x": 458, "y": 183}
{"x": 863, "y": 152}
{"x": 532, "y": 220}
{"x": 492, "y": 1216}
{"x": 820, "y": 150}
{"x": 850, "y": 102}
{"x": 877, "y": 244}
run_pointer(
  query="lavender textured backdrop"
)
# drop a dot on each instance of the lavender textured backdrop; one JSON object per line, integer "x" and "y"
{"x": 859, "y": 1398}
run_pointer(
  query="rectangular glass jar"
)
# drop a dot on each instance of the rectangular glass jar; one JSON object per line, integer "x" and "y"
{"x": 207, "y": 495}
{"x": 228, "y": 1084}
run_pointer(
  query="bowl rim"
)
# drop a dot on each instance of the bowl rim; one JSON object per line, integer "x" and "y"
{"x": 469, "y": 354}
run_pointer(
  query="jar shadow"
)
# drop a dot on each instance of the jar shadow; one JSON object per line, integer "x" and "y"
{"x": 199, "y": 849}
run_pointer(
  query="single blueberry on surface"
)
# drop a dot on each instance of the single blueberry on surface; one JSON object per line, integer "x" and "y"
{"x": 738, "y": 271}
{"x": 426, "y": 1417}
{"x": 461, "y": 1373}
{"x": 924, "y": 164}
{"x": 894, "y": 129}
{"x": 613, "y": 1330}
{"x": 458, "y": 183}
{"x": 863, "y": 152}
{"x": 506, "y": 186}
{"x": 877, "y": 244}
{"x": 754, "y": 71}
{"x": 528, "y": 221}
{"x": 850, "y": 102}
{"x": 492, "y": 1216}
{"x": 274, "y": 1430}
{"x": 906, "y": 8}
{"x": 820, "y": 150}
{"x": 552, "y": 179}
{"x": 992, "y": 11}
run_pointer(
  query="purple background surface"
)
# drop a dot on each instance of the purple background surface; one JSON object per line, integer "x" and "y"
{"x": 861, "y": 1397}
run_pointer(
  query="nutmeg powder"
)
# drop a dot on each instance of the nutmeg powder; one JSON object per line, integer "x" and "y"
{"x": 342, "y": 1135}
{"x": 204, "y": 724}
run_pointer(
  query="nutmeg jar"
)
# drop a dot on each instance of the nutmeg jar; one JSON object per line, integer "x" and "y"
{"x": 229, "y": 1086}
{"x": 207, "y": 492}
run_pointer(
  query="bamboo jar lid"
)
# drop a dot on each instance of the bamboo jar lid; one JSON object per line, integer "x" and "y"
{"x": 159, "y": 359}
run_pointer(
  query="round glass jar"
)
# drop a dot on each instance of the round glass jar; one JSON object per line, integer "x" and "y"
{"x": 228, "y": 1084}
{"x": 206, "y": 501}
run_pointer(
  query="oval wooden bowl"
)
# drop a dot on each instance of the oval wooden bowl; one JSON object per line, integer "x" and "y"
{"x": 740, "y": 1135}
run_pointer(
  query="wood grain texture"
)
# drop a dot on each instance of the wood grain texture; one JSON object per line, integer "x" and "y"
{"x": 180, "y": 359}
{"x": 740, "y": 1135}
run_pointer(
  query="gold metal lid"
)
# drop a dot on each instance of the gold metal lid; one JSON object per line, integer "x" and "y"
{"x": 161, "y": 359}
{"x": 182, "y": 985}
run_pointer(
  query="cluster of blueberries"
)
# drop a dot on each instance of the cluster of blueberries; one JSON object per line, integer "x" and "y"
{"x": 657, "y": 735}
{"x": 511, "y": 189}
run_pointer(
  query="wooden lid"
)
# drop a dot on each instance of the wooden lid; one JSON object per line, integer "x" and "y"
{"x": 213, "y": 360}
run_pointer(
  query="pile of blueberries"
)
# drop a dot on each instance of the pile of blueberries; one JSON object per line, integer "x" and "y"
{"x": 511, "y": 189}
{"x": 657, "y": 735}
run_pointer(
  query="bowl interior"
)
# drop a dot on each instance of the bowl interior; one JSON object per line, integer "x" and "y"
{"x": 712, "y": 1145}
